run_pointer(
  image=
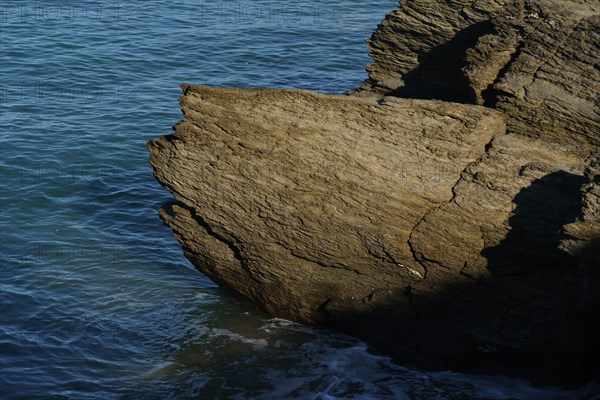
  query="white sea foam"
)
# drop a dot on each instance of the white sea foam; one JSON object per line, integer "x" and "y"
{"x": 234, "y": 336}
{"x": 336, "y": 367}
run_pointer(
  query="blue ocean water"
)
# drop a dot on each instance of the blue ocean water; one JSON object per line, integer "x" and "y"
{"x": 97, "y": 300}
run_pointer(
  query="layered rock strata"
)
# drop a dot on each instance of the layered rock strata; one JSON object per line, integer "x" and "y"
{"x": 450, "y": 235}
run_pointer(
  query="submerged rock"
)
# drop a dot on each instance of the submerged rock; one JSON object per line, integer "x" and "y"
{"x": 450, "y": 235}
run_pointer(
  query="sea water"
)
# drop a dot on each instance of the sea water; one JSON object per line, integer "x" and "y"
{"x": 97, "y": 300}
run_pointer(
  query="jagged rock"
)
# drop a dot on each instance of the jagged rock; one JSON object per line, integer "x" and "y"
{"x": 549, "y": 85}
{"x": 311, "y": 199}
{"x": 583, "y": 240}
{"x": 536, "y": 60}
{"x": 451, "y": 235}
{"x": 419, "y": 48}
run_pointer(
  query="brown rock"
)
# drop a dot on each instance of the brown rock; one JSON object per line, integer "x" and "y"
{"x": 319, "y": 210}
{"x": 451, "y": 235}
{"x": 419, "y": 48}
{"x": 549, "y": 85}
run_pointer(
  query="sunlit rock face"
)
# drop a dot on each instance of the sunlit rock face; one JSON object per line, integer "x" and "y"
{"x": 450, "y": 235}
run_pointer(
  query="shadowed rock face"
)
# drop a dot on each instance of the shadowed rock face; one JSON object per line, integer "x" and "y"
{"x": 419, "y": 48}
{"x": 536, "y": 60}
{"x": 449, "y": 235}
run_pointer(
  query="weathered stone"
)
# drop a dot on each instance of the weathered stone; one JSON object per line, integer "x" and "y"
{"x": 419, "y": 48}
{"x": 334, "y": 191}
{"x": 549, "y": 85}
{"x": 451, "y": 235}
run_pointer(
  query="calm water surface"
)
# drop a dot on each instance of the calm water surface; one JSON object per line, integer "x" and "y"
{"x": 97, "y": 301}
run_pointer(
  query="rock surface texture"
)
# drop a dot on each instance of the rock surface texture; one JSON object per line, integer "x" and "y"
{"x": 460, "y": 236}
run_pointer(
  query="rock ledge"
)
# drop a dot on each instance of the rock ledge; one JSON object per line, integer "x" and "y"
{"x": 450, "y": 235}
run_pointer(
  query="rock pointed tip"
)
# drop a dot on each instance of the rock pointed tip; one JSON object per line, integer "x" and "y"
{"x": 189, "y": 87}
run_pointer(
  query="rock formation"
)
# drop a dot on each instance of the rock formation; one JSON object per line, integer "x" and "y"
{"x": 451, "y": 235}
